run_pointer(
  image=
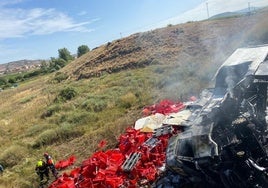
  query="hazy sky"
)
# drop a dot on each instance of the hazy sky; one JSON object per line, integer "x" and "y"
{"x": 36, "y": 29}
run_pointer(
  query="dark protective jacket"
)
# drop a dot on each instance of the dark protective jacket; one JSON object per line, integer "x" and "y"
{"x": 41, "y": 167}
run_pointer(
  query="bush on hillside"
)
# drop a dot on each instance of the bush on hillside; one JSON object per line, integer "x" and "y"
{"x": 3, "y": 81}
{"x": 81, "y": 50}
{"x": 127, "y": 100}
{"x": 50, "y": 111}
{"x": 76, "y": 118}
{"x": 12, "y": 155}
{"x": 47, "y": 137}
{"x": 12, "y": 80}
{"x": 19, "y": 78}
{"x": 94, "y": 105}
{"x": 66, "y": 94}
{"x": 59, "y": 77}
{"x": 36, "y": 129}
{"x": 65, "y": 54}
{"x": 60, "y": 134}
{"x": 32, "y": 74}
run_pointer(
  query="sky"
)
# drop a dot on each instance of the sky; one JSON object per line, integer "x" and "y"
{"x": 36, "y": 29}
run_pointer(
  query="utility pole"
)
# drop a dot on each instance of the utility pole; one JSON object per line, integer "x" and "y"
{"x": 207, "y": 9}
{"x": 248, "y": 8}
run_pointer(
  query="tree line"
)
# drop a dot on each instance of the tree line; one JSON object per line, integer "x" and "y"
{"x": 64, "y": 57}
{"x": 54, "y": 64}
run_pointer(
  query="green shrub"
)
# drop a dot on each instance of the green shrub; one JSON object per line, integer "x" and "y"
{"x": 12, "y": 80}
{"x": 127, "y": 100}
{"x": 57, "y": 135}
{"x": 12, "y": 155}
{"x": 66, "y": 94}
{"x": 3, "y": 81}
{"x": 94, "y": 104}
{"x": 36, "y": 129}
{"x": 74, "y": 118}
{"x": 19, "y": 78}
{"x": 67, "y": 132}
{"x": 65, "y": 54}
{"x": 81, "y": 50}
{"x": 46, "y": 138}
{"x": 59, "y": 77}
{"x": 51, "y": 110}
{"x": 32, "y": 73}
{"x": 8, "y": 85}
{"x": 99, "y": 106}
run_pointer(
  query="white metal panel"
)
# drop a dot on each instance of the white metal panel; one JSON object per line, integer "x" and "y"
{"x": 256, "y": 55}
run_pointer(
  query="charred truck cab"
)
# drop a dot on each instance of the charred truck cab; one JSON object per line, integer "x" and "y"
{"x": 225, "y": 140}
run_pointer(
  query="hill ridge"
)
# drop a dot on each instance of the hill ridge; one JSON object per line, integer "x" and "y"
{"x": 192, "y": 41}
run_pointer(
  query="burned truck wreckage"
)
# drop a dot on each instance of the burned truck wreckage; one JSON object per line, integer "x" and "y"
{"x": 225, "y": 139}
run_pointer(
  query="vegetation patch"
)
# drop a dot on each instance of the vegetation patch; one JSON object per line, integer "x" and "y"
{"x": 78, "y": 118}
{"x": 66, "y": 94}
{"x": 51, "y": 110}
{"x": 127, "y": 100}
{"x": 12, "y": 155}
{"x": 36, "y": 129}
{"x": 27, "y": 99}
{"x": 59, "y": 77}
{"x": 60, "y": 134}
{"x": 95, "y": 104}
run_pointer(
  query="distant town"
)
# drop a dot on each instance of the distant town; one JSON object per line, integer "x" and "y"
{"x": 19, "y": 66}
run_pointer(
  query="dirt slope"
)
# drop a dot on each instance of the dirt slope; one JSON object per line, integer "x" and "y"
{"x": 208, "y": 42}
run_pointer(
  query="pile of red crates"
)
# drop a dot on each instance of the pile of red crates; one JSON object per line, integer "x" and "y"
{"x": 136, "y": 162}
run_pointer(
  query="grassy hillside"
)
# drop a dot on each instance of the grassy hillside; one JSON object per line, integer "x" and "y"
{"x": 107, "y": 88}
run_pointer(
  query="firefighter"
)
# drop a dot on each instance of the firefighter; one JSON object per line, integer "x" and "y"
{"x": 50, "y": 164}
{"x": 41, "y": 169}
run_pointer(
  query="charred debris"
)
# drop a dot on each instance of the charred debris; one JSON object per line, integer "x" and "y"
{"x": 224, "y": 142}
